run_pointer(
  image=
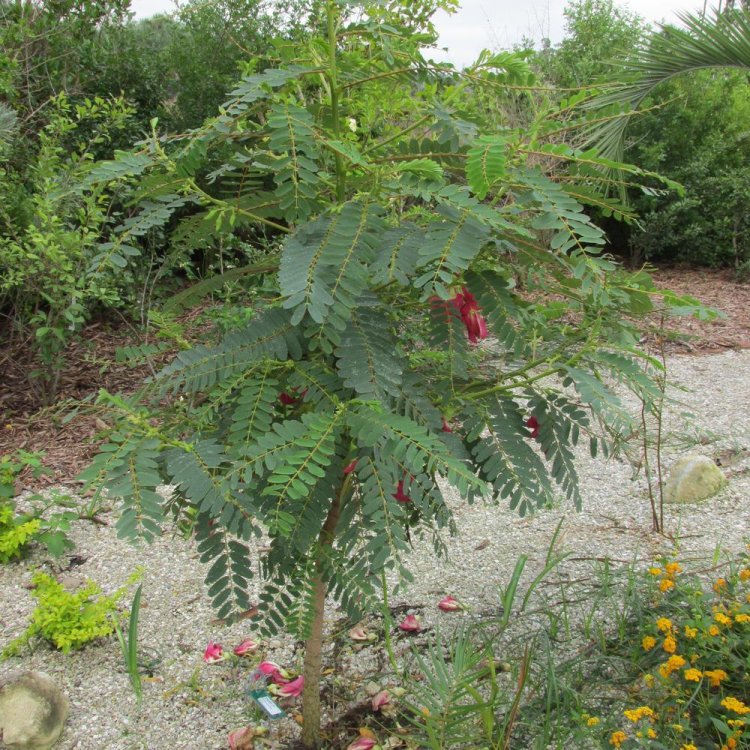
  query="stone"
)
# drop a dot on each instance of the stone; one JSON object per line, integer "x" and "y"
{"x": 693, "y": 478}
{"x": 33, "y": 711}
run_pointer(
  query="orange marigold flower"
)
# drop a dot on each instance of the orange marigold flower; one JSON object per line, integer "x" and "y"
{"x": 715, "y": 676}
{"x": 669, "y": 645}
{"x": 648, "y": 642}
{"x": 745, "y": 574}
{"x": 655, "y": 571}
{"x": 722, "y": 619}
{"x": 617, "y": 738}
{"x": 665, "y": 584}
{"x": 673, "y": 568}
{"x": 713, "y": 630}
{"x": 664, "y": 624}
{"x": 720, "y": 585}
{"x": 692, "y": 675}
{"x": 690, "y": 632}
{"x": 731, "y": 743}
{"x": 742, "y": 617}
{"x": 732, "y": 704}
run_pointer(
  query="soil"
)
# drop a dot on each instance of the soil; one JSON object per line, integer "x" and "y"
{"x": 68, "y": 444}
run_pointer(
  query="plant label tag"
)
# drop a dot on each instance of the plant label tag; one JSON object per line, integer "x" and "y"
{"x": 267, "y": 704}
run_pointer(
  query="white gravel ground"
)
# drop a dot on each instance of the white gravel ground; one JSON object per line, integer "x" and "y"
{"x": 192, "y": 706}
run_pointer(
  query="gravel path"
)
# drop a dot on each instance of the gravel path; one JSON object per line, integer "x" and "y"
{"x": 193, "y": 706}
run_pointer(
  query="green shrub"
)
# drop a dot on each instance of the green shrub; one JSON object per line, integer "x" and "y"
{"x": 69, "y": 620}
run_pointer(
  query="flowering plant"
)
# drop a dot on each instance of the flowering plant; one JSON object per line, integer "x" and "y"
{"x": 333, "y": 420}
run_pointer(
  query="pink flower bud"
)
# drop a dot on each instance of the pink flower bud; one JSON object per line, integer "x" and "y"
{"x": 383, "y": 698}
{"x": 410, "y": 624}
{"x": 349, "y": 468}
{"x": 533, "y": 424}
{"x": 213, "y": 653}
{"x": 363, "y": 743}
{"x": 446, "y": 427}
{"x": 449, "y": 604}
{"x": 248, "y": 646}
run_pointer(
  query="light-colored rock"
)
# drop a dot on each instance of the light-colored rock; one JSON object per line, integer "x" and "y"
{"x": 693, "y": 478}
{"x": 33, "y": 711}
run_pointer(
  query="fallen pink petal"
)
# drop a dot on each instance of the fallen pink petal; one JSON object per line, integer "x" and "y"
{"x": 248, "y": 646}
{"x": 213, "y": 653}
{"x": 383, "y": 698}
{"x": 449, "y": 604}
{"x": 241, "y": 739}
{"x": 293, "y": 688}
{"x": 410, "y": 624}
{"x": 359, "y": 634}
{"x": 363, "y": 743}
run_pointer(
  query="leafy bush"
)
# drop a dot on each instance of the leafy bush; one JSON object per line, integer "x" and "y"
{"x": 68, "y": 620}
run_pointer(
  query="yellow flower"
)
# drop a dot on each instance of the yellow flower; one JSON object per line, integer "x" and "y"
{"x": 651, "y": 734}
{"x": 715, "y": 676}
{"x": 655, "y": 571}
{"x": 735, "y": 705}
{"x": 713, "y": 630}
{"x": 664, "y": 624}
{"x": 690, "y": 632}
{"x": 617, "y": 738}
{"x": 742, "y": 617}
{"x": 669, "y": 645}
{"x": 722, "y": 619}
{"x": 636, "y": 714}
{"x": 731, "y": 743}
{"x": 720, "y": 585}
{"x": 692, "y": 675}
{"x": 665, "y": 584}
{"x": 689, "y": 747}
{"x": 736, "y": 723}
{"x": 745, "y": 574}
{"x": 592, "y": 721}
{"x": 648, "y": 679}
{"x": 648, "y": 642}
{"x": 672, "y": 664}
{"x": 673, "y": 568}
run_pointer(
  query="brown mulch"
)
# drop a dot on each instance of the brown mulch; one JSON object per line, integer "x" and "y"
{"x": 90, "y": 365}
{"x": 716, "y": 289}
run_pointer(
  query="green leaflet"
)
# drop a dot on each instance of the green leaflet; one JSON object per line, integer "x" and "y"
{"x": 412, "y": 446}
{"x": 449, "y": 245}
{"x": 270, "y": 335}
{"x": 323, "y": 266}
{"x": 230, "y": 567}
{"x": 508, "y": 459}
{"x": 292, "y": 139}
{"x": 486, "y": 163}
{"x": 368, "y": 358}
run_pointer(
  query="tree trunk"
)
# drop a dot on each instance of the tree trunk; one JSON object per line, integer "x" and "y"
{"x": 314, "y": 642}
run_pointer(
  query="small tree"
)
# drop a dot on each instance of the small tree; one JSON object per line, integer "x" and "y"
{"x": 408, "y": 229}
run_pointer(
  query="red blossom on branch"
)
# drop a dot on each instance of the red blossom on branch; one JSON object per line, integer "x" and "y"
{"x": 533, "y": 424}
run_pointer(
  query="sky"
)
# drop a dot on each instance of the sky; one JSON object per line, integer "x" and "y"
{"x": 496, "y": 24}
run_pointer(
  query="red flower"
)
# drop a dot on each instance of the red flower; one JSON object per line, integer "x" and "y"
{"x": 449, "y": 604}
{"x": 446, "y": 426}
{"x": 349, "y": 468}
{"x": 290, "y": 399}
{"x": 213, "y": 653}
{"x": 410, "y": 624}
{"x": 533, "y": 424}
{"x": 468, "y": 308}
{"x": 399, "y": 494}
{"x": 246, "y": 647}
{"x": 291, "y": 689}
